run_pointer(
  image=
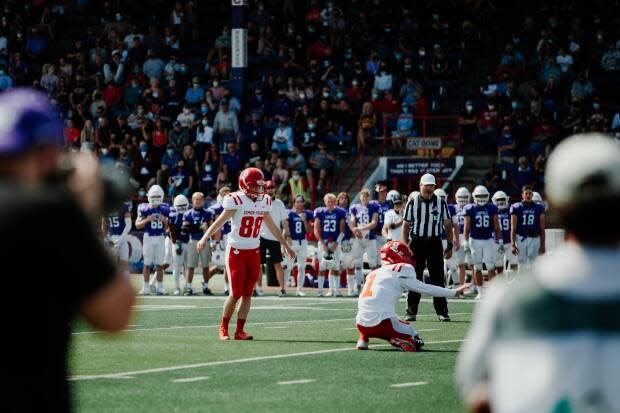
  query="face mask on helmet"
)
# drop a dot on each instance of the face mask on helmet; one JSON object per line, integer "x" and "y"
{"x": 252, "y": 183}
{"x": 481, "y": 199}
{"x": 155, "y": 196}
{"x": 462, "y": 197}
{"x": 396, "y": 252}
{"x": 501, "y": 202}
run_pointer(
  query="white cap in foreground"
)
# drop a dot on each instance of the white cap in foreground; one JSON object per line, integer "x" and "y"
{"x": 583, "y": 168}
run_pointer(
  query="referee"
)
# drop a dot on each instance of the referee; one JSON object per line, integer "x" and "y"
{"x": 425, "y": 214}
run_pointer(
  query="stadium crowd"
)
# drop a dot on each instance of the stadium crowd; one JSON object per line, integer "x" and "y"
{"x": 324, "y": 76}
{"x": 555, "y": 77}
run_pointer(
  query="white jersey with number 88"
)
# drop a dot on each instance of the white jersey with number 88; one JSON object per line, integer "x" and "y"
{"x": 247, "y": 220}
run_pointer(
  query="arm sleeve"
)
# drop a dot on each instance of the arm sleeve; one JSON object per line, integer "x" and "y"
{"x": 408, "y": 281}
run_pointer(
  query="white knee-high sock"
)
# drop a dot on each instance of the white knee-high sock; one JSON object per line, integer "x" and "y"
{"x": 321, "y": 280}
{"x": 351, "y": 282}
{"x": 359, "y": 276}
{"x": 301, "y": 278}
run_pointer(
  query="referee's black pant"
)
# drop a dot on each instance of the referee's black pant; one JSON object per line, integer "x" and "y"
{"x": 428, "y": 253}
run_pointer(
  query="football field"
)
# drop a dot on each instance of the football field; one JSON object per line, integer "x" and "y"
{"x": 302, "y": 359}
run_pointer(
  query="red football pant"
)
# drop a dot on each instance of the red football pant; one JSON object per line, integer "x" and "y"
{"x": 243, "y": 268}
{"x": 388, "y": 329}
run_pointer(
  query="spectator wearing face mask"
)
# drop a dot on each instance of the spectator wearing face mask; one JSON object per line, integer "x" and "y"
{"x": 178, "y": 136}
{"x": 226, "y": 125}
{"x": 168, "y": 163}
{"x": 204, "y": 139}
{"x": 180, "y": 180}
{"x": 310, "y": 136}
{"x": 144, "y": 166}
{"x": 488, "y": 122}
{"x": 468, "y": 121}
{"x": 298, "y": 185}
{"x": 383, "y": 79}
{"x": 404, "y": 128}
{"x": 195, "y": 93}
{"x": 207, "y": 177}
{"x": 282, "y": 137}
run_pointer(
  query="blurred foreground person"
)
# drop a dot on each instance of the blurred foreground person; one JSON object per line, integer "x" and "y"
{"x": 47, "y": 226}
{"x": 550, "y": 342}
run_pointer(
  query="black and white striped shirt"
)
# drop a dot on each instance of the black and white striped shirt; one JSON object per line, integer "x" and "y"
{"x": 426, "y": 216}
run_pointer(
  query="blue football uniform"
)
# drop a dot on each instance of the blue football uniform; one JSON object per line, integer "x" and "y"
{"x": 296, "y": 226}
{"x": 481, "y": 220}
{"x": 215, "y": 210}
{"x": 347, "y": 231}
{"x": 452, "y": 211}
{"x": 116, "y": 221}
{"x": 363, "y": 215}
{"x": 504, "y": 223}
{"x": 330, "y": 222}
{"x": 459, "y": 212}
{"x": 383, "y": 207}
{"x": 176, "y": 220}
{"x": 197, "y": 217}
{"x": 154, "y": 228}
{"x": 528, "y": 218}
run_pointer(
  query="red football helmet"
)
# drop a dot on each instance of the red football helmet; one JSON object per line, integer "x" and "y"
{"x": 252, "y": 183}
{"x": 396, "y": 252}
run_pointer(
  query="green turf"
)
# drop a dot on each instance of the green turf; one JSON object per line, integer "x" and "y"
{"x": 173, "y": 332}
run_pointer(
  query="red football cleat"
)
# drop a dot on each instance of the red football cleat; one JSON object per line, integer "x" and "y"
{"x": 242, "y": 335}
{"x": 224, "y": 334}
{"x": 404, "y": 345}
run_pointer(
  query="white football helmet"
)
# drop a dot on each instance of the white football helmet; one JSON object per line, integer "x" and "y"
{"x": 155, "y": 195}
{"x": 412, "y": 195}
{"x": 441, "y": 194}
{"x": 537, "y": 198}
{"x": 481, "y": 195}
{"x": 181, "y": 203}
{"x": 463, "y": 197}
{"x": 500, "y": 199}
{"x": 392, "y": 195}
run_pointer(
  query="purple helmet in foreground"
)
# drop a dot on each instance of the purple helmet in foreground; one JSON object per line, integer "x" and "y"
{"x": 27, "y": 120}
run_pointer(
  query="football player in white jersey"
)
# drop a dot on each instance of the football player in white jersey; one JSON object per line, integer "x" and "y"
{"x": 376, "y": 313}
{"x": 153, "y": 218}
{"x": 218, "y": 248}
{"x": 247, "y": 209}
{"x": 393, "y": 220}
{"x": 116, "y": 227}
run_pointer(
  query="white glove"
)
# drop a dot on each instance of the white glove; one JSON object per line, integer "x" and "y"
{"x": 500, "y": 247}
{"x": 465, "y": 246}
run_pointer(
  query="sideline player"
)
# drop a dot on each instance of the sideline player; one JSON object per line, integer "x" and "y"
{"x": 384, "y": 205}
{"x": 376, "y": 314}
{"x": 393, "y": 220}
{"x": 364, "y": 218}
{"x": 247, "y": 209}
{"x": 298, "y": 226}
{"x": 195, "y": 222}
{"x": 269, "y": 241}
{"x": 460, "y": 256}
{"x": 176, "y": 243}
{"x": 329, "y": 226}
{"x": 527, "y": 228}
{"x": 218, "y": 249}
{"x": 153, "y": 218}
{"x": 354, "y": 285}
{"x": 451, "y": 267}
{"x": 480, "y": 224}
{"x": 117, "y": 226}
{"x": 508, "y": 259}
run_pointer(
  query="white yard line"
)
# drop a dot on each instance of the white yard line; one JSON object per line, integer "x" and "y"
{"x": 78, "y": 333}
{"x": 412, "y": 384}
{"x": 226, "y": 362}
{"x": 301, "y": 381}
{"x": 301, "y": 300}
{"x": 191, "y": 379}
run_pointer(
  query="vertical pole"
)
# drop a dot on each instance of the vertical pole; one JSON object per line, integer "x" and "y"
{"x": 239, "y": 47}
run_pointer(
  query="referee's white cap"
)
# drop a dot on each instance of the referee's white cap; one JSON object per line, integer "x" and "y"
{"x": 427, "y": 179}
{"x": 584, "y": 167}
